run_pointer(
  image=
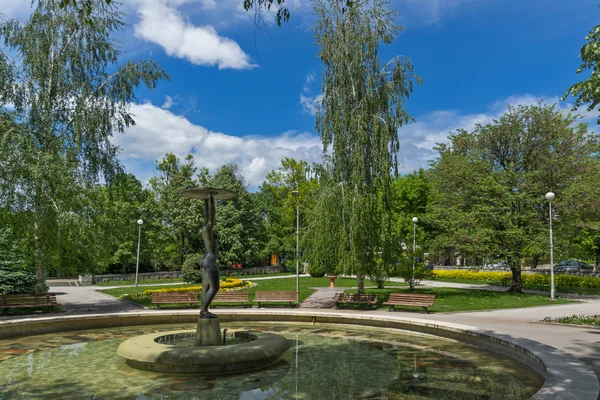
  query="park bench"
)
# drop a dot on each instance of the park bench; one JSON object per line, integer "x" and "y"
{"x": 409, "y": 299}
{"x": 275, "y": 297}
{"x": 27, "y": 300}
{"x": 174, "y": 298}
{"x": 232, "y": 297}
{"x": 344, "y": 298}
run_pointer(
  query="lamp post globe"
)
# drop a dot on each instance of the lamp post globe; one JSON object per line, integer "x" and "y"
{"x": 415, "y": 220}
{"x": 549, "y": 196}
{"x": 140, "y": 222}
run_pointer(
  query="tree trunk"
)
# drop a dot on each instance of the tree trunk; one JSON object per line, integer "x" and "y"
{"x": 535, "y": 261}
{"x": 182, "y": 250}
{"x": 517, "y": 284}
{"x": 39, "y": 265}
{"x": 361, "y": 283}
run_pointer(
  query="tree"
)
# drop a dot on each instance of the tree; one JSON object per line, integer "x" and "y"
{"x": 362, "y": 108}
{"x": 488, "y": 185}
{"x": 239, "y": 225}
{"x": 69, "y": 97}
{"x": 179, "y": 217}
{"x": 278, "y": 204}
{"x": 587, "y": 91}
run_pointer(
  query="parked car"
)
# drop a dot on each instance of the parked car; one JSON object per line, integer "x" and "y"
{"x": 572, "y": 265}
{"x": 496, "y": 265}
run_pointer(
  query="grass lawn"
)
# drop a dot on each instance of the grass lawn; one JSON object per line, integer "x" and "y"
{"x": 266, "y": 285}
{"x": 454, "y": 300}
{"x": 545, "y": 288}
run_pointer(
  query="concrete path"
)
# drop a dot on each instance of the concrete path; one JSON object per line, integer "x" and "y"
{"x": 322, "y": 298}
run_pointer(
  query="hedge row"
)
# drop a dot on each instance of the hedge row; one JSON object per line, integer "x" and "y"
{"x": 534, "y": 279}
{"x": 227, "y": 284}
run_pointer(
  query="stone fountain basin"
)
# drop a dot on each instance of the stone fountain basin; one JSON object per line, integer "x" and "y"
{"x": 146, "y": 353}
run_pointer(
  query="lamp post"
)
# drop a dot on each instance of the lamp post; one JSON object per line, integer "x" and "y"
{"x": 296, "y": 193}
{"x": 137, "y": 263}
{"x": 550, "y": 197}
{"x": 414, "y": 220}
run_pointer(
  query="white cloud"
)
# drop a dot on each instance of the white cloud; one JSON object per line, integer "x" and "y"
{"x": 169, "y": 102}
{"x": 309, "y": 103}
{"x": 159, "y": 131}
{"x": 430, "y": 12}
{"x": 162, "y": 24}
{"x": 418, "y": 140}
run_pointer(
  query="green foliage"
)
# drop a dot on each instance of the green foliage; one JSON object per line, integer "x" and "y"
{"x": 69, "y": 96}
{"x": 239, "y": 224}
{"x": 316, "y": 270}
{"x": 410, "y": 270}
{"x": 190, "y": 270}
{"x": 587, "y": 91}
{"x": 18, "y": 281}
{"x": 488, "y": 185}
{"x": 362, "y": 108}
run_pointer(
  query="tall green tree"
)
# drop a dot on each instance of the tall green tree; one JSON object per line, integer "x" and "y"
{"x": 362, "y": 108}
{"x": 278, "y": 204}
{"x": 488, "y": 185}
{"x": 69, "y": 96}
{"x": 179, "y": 217}
{"x": 239, "y": 224}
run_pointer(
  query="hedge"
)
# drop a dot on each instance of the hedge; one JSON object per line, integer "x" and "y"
{"x": 534, "y": 279}
{"x": 227, "y": 284}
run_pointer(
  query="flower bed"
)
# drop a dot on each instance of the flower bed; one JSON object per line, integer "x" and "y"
{"x": 227, "y": 284}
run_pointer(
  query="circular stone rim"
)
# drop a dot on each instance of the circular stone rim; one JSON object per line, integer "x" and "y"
{"x": 204, "y": 193}
{"x": 144, "y": 352}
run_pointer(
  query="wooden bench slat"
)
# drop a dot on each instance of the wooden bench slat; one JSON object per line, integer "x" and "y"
{"x": 275, "y": 297}
{"x": 343, "y": 298}
{"x": 232, "y": 297}
{"x": 415, "y": 300}
{"x": 175, "y": 298}
{"x": 27, "y": 300}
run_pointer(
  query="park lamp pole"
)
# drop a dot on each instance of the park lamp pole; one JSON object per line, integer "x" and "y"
{"x": 414, "y": 220}
{"x": 137, "y": 263}
{"x": 296, "y": 193}
{"x": 550, "y": 197}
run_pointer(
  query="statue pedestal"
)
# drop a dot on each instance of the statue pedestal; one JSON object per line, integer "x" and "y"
{"x": 208, "y": 332}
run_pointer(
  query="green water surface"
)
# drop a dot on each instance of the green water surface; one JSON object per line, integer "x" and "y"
{"x": 324, "y": 362}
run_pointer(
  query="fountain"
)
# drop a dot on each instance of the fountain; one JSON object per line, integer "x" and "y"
{"x": 209, "y": 353}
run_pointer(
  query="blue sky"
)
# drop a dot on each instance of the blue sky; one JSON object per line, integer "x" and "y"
{"x": 246, "y": 97}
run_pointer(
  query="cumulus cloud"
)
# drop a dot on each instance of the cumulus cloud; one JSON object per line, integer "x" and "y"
{"x": 169, "y": 102}
{"x": 161, "y": 23}
{"x": 159, "y": 131}
{"x": 418, "y": 140}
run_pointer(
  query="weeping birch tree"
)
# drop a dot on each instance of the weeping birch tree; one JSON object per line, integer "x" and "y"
{"x": 358, "y": 119}
{"x": 61, "y": 81}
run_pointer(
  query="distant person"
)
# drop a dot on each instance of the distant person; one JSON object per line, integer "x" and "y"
{"x": 210, "y": 270}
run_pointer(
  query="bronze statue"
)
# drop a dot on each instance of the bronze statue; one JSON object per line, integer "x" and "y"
{"x": 210, "y": 270}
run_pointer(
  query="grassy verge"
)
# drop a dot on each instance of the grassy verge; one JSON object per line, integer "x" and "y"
{"x": 457, "y": 300}
{"x": 267, "y": 285}
{"x": 529, "y": 286}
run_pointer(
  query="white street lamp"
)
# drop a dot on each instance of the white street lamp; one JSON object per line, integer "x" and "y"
{"x": 414, "y": 220}
{"x": 137, "y": 263}
{"x": 550, "y": 197}
{"x": 296, "y": 193}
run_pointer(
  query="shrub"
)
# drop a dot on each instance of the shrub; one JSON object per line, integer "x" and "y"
{"x": 190, "y": 270}
{"x": 315, "y": 270}
{"x": 534, "y": 279}
{"x": 19, "y": 281}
